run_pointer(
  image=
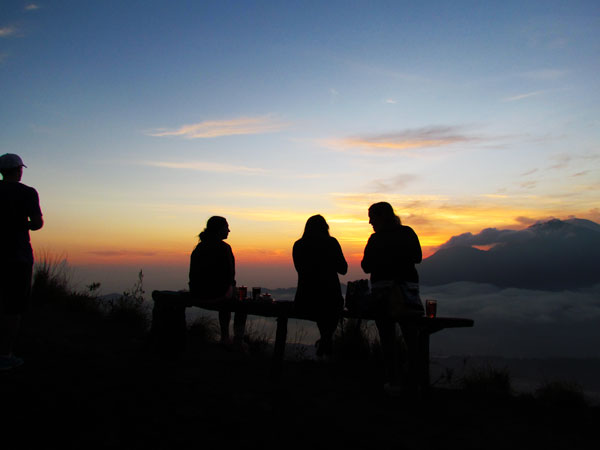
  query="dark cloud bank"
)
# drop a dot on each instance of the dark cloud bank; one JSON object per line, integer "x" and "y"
{"x": 554, "y": 255}
{"x": 534, "y": 294}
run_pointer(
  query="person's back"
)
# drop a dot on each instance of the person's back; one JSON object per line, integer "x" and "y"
{"x": 18, "y": 202}
{"x": 318, "y": 260}
{"x": 212, "y": 269}
{"x": 391, "y": 254}
{"x": 20, "y": 212}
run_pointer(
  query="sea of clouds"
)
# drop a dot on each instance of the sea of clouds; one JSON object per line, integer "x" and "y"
{"x": 518, "y": 323}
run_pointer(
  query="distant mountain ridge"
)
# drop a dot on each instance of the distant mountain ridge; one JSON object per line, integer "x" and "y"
{"x": 552, "y": 255}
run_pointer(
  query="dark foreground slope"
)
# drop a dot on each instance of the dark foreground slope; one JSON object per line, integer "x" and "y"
{"x": 89, "y": 385}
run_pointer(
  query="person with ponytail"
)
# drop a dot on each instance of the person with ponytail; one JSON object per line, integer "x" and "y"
{"x": 212, "y": 276}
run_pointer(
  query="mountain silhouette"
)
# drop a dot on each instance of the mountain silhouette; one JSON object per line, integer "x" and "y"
{"x": 552, "y": 255}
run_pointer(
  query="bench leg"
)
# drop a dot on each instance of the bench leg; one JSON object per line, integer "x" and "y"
{"x": 279, "y": 350}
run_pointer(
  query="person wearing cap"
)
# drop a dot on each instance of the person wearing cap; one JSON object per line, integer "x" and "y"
{"x": 19, "y": 213}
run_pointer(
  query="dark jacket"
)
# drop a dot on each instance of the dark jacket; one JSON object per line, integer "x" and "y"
{"x": 212, "y": 269}
{"x": 391, "y": 254}
{"x": 318, "y": 260}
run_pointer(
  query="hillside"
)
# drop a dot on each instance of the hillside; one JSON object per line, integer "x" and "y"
{"x": 553, "y": 255}
{"x": 92, "y": 383}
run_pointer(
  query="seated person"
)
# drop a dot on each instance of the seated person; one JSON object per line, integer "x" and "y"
{"x": 318, "y": 259}
{"x": 212, "y": 276}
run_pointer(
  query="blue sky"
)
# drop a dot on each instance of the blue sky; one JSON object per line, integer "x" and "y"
{"x": 139, "y": 120}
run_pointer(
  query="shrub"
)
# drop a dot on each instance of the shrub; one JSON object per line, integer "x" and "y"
{"x": 353, "y": 342}
{"x": 257, "y": 338}
{"x": 130, "y": 311}
{"x": 204, "y": 329}
{"x": 562, "y": 394}
{"x": 487, "y": 380}
{"x": 51, "y": 279}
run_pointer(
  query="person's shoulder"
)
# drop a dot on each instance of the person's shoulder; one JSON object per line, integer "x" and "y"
{"x": 407, "y": 229}
{"x": 333, "y": 241}
{"x": 223, "y": 244}
{"x": 18, "y": 188}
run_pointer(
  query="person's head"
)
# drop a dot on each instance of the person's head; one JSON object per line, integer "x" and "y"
{"x": 216, "y": 228}
{"x": 316, "y": 226}
{"x": 382, "y": 216}
{"x": 11, "y": 167}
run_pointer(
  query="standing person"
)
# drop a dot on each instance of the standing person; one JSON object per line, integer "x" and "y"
{"x": 390, "y": 257}
{"x": 212, "y": 276}
{"x": 318, "y": 259}
{"x": 21, "y": 212}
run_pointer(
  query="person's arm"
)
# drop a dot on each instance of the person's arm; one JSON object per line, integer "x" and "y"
{"x": 367, "y": 262}
{"x": 34, "y": 212}
{"x": 296, "y": 256}
{"x": 341, "y": 263}
{"x": 415, "y": 248}
{"x": 35, "y": 222}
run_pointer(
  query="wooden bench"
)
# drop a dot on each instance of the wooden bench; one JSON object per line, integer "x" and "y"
{"x": 169, "y": 324}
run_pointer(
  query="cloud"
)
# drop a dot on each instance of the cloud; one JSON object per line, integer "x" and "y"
{"x": 391, "y": 101}
{"x": 436, "y": 136}
{"x": 562, "y": 161}
{"x": 7, "y": 31}
{"x": 529, "y": 184}
{"x": 531, "y": 221}
{"x": 32, "y": 7}
{"x": 218, "y": 128}
{"x": 529, "y": 172}
{"x": 206, "y": 167}
{"x": 545, "y": 74}
{"x": 489, "y": 236}
{"x": 522, "y": 96}
{"x": 111, "y": 253}
{"x": 392, "y": 184}
{"x": 514, "y": 322}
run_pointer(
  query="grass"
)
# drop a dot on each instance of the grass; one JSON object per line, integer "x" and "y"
{"x": 127, "y": 317}
{"x": 487, "y": 380}
{"x": 52, "y": 288}
{"x": 561, "y": 394}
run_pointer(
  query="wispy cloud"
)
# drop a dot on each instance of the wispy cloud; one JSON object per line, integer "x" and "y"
{"x": 545, "y": 74}
{"x": 32, "y": 7}
{"x": 7, "y": 31}
{"x": 408, "y": 139}
{"x": 206, "y": 167}
{"x": 120, "y": 253}
{"x": 522, "y": 96}
{"x": 391, "y": 101}
{"x": 218, "y": 128}
{"x": 392, "y": 184}
{"x": 529, "y": 172}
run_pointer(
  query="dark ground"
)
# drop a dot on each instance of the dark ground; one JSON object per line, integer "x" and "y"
{"x": 87, "y": 384}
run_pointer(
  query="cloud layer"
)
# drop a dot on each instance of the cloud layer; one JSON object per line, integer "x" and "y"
{"x": 219, "y": 128}
{"x": 206, "y": 167}
{"x": 437, "y": 136}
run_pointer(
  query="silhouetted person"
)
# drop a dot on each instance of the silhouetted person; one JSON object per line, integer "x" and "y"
{"x": 212, "y": 276}
{"x": 318, "y": 259}
{"x": 20, "y": 212}
{"x": 390, "y": 257}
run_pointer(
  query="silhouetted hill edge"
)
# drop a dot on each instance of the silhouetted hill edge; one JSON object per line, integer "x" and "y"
{"x": 552, "y": 255}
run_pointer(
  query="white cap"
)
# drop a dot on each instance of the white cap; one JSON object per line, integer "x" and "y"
{"x": 11, "y": 161}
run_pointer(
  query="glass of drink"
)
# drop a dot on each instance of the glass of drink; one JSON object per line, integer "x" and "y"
{"x": 430, "y": 308}
{"x": 255, "y": 293}
{"x": 243, "y": 292}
